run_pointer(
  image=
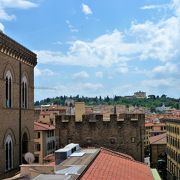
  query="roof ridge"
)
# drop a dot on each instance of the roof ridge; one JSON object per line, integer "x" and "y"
{"x": 160, "y": 138}
{"x": 41, "y": 124}
{"x": 123, "y": 156}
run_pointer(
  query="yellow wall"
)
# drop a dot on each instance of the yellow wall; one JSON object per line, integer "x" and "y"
{"x": 43, "y": 141}
{"x": 173, "y": 148}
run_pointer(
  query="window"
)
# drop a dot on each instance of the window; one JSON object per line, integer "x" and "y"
{"x": 9, "y": 153}
{"x": 133, "y": 140}
{"x": 36, "y": 159}
{"x": 38, "y": 134}
{"x": 24, "y": 93}
{"x": 8, "y": 87}
{"x": 37, "y": 147}
{"x": 112, "y": 140}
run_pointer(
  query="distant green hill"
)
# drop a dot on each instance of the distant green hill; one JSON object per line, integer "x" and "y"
{"x": 151, "y": 102}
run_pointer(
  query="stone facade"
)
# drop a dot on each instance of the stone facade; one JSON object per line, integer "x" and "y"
{"x": 156, "y": 151}
{"x": 123, "y": 132}
{"x": 16, "y": 121}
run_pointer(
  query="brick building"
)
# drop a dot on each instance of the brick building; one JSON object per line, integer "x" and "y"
{"x": 157, "y": 148}
{"x": 122, "y": 132}
{"x": 16, "y": 103}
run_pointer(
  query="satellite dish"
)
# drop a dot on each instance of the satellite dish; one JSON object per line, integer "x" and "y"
{"x": 29, "y": 157}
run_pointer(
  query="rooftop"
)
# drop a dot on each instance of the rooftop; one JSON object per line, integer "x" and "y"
{"x": 90, "y": 163}
{"x": 42, "y": 126}
{"x": 149, "y": 124}
{"x": 111, "y": 165}
{"x": 159, "y": 139}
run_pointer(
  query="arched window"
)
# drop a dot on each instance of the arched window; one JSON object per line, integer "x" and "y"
{"x": 8, "y": 87}
{"x": 9, "y": 153}
{"x": 24, "y": 93}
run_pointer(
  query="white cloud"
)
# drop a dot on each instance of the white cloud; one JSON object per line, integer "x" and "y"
{"x": 156, "y": 83}
{"x": 159, "y": 40}
{"x": 152, "y": 6}
{"x": 15, "y": 4}
{"x": 1, "y": 27}
{"x": 99, "y": 74}
{"x": 175, "y": 5}
{"x": 92, "y": 89}
{"x": 43, "y": 72}
{"x": 122, "y": 68}
{"x": 105, "y": 50}
{"x": 86, "y": 9}
{"x": 146, "y": 41}
{"x": 91, "y": 86}
{"x": 71, "y": 27}
{"x": 5, "y": 16}
{"x": 81, "y": 75}
{"x": 167, "y": 68}
{"x": 22, "y": 4}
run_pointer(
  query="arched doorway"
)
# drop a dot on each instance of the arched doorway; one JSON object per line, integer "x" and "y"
{"x": 24, "y": 146}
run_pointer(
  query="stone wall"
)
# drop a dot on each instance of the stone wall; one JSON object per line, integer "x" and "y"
{"x": 123, "y": 133}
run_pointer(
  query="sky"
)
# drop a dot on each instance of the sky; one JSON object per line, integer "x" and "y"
{"x": 97, "y": 47}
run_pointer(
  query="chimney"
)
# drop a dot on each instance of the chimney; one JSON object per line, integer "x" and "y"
{"x": 79, "y": 111}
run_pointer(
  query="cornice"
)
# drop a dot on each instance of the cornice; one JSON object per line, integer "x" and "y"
{"x": 15, "y": 50}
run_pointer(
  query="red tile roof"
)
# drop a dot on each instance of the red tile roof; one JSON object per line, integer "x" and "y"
{"x": 159, "y": 124}
{"x": 148, "y": 124}
{"x": 159, "y": 139}
{"x": 50, "y": 158}
{"x": 42, "y": 127}
{"x": 113, "y": 166}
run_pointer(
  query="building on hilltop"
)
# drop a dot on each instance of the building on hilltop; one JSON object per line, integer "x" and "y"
{"x": 140, "y": 94}
{"x": 16, "y": 103}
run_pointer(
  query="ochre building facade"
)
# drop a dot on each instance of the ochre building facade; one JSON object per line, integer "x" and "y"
{"x": 173, "y": 148}
{"x": 16, "y": 103}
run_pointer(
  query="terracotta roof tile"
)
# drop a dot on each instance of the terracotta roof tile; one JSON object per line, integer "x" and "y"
{"x": 110, "y": 165}
{"x": 42, "y": 127}
{"x": 159, "y": 139}
{"x": 148, "y": 124}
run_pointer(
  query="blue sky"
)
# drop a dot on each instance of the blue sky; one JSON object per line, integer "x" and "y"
{"x": 94, "y": 48}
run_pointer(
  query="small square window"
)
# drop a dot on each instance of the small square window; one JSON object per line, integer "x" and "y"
{"x": 133, "y": 139}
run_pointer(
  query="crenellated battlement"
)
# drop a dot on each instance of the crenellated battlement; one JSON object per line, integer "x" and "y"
{"x": 15, "y": 50}
{"x": 100, "y": 117}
